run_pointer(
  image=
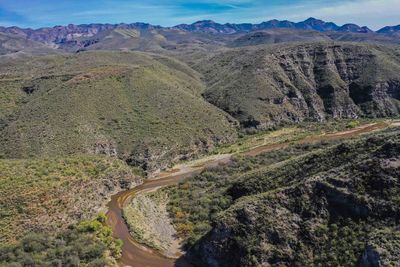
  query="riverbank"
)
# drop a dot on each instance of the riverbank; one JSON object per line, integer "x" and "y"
{"x": 148, "y": 220}
{"x": 135, "y": 254}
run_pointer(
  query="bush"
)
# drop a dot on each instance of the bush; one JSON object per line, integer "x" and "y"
{"x": 82, "y": 245}
{"x": 34, "y": 243}
{"x": 352, "y": 124}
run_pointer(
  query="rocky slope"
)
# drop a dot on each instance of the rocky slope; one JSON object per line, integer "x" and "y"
{"x": 172, "y": 42}
{"x": 295, "y": 35}
{"x": 15, "y": 44}
{"x": 148, "y": 221}
{"x": 341, "y": 207}
{"x": 49, "y": 194}
{"x": 266, "y": 85}
{"x": 278, "y": 36}
{"x": 369, "y": 37}
{"x": 143, "y": 108}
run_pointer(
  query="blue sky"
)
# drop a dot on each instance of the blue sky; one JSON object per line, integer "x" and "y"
{"x": 41, "y": 13}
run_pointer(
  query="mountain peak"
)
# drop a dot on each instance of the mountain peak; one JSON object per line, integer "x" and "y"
{"x": 311, "y": 19}
{"x": 317, "y": 24}
{"x": 354, "y": 28}
{"x": 206, "y": 21}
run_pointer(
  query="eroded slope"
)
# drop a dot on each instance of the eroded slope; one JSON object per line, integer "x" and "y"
{"x": 146, "y": 109}
{"x": 326, "y": 212}
{"x": 266, "y": 85}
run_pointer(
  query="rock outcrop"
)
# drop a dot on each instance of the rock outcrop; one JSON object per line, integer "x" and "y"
{"x": 328, "y": 214}
{"x": 266, "y": 85}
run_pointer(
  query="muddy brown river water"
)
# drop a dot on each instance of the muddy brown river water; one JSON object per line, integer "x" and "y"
{"x": 137, "y": 255}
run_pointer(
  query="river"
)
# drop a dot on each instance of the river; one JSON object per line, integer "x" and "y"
{"x": 137, "y": 255}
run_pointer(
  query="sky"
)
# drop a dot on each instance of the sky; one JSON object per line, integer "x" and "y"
{"x": 45, "y": 13}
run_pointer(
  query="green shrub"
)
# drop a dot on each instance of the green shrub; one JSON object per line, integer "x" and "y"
{"x": 83, "y": 244}
{"x": 352, "y": 124}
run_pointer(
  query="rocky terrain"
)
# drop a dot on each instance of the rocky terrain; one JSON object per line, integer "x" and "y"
{"x": 87, "y": 243}
{"x": 149, "y": 223}
{"x": 87, "y": 109}
{"x": 47, "y": 195}
{"x": 152, "y": 110}
{"x": 14, "y": 44}
{"x": 265, "y": 85}
{"x": 142, "y": 108}
{"x": 190, "y": 41}
{"x": 339, "y": 208}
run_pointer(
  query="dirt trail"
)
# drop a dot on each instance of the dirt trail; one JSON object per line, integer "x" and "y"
{"x": 137, "y": 255}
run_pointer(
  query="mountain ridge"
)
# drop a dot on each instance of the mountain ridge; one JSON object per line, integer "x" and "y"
{"x": 59, "y": 33}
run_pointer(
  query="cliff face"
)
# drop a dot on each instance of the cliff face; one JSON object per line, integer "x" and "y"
{"x": 266, "y": 85}
{"x": 326, "y": 214}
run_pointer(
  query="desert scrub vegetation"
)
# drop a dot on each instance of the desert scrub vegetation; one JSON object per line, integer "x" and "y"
{"x": 340, "y": 243}
{"x": 271, "y": 177}
{"x": 323, "y": 204}
{"x": 87, "y": 243}
{"x": 194, "y": 204}
{"x": 266, "y": 85}
{"x": 140, "y": 106}
{"x": 335, "y": 206}
{"x": 250, "y": 138}
{"x": 49, "y": 194}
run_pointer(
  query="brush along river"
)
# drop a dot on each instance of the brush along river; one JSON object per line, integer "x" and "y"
{"x": 137, "y": 255}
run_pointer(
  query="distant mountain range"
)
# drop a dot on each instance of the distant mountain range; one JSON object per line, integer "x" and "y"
{"x": 309, "y": 24}
{"x": 60, "y": 34}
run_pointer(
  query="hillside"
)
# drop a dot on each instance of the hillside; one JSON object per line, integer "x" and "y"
{"x": 267, "y": 85}
{"x": 12, "y": 44}
{"x": 368, "y": 37}
{"x": 323, "y": 204}
{"x": 340, "y": 208}
{"x": 47, "y": 195}
{"x": 88, "y": 243}
{"x": 179, "y": 44}
{"x": 278, "y": 36}
{"x": 143, "y": 108}
{"x": 268, "y": 144}
{"x": 273, "y": 36}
